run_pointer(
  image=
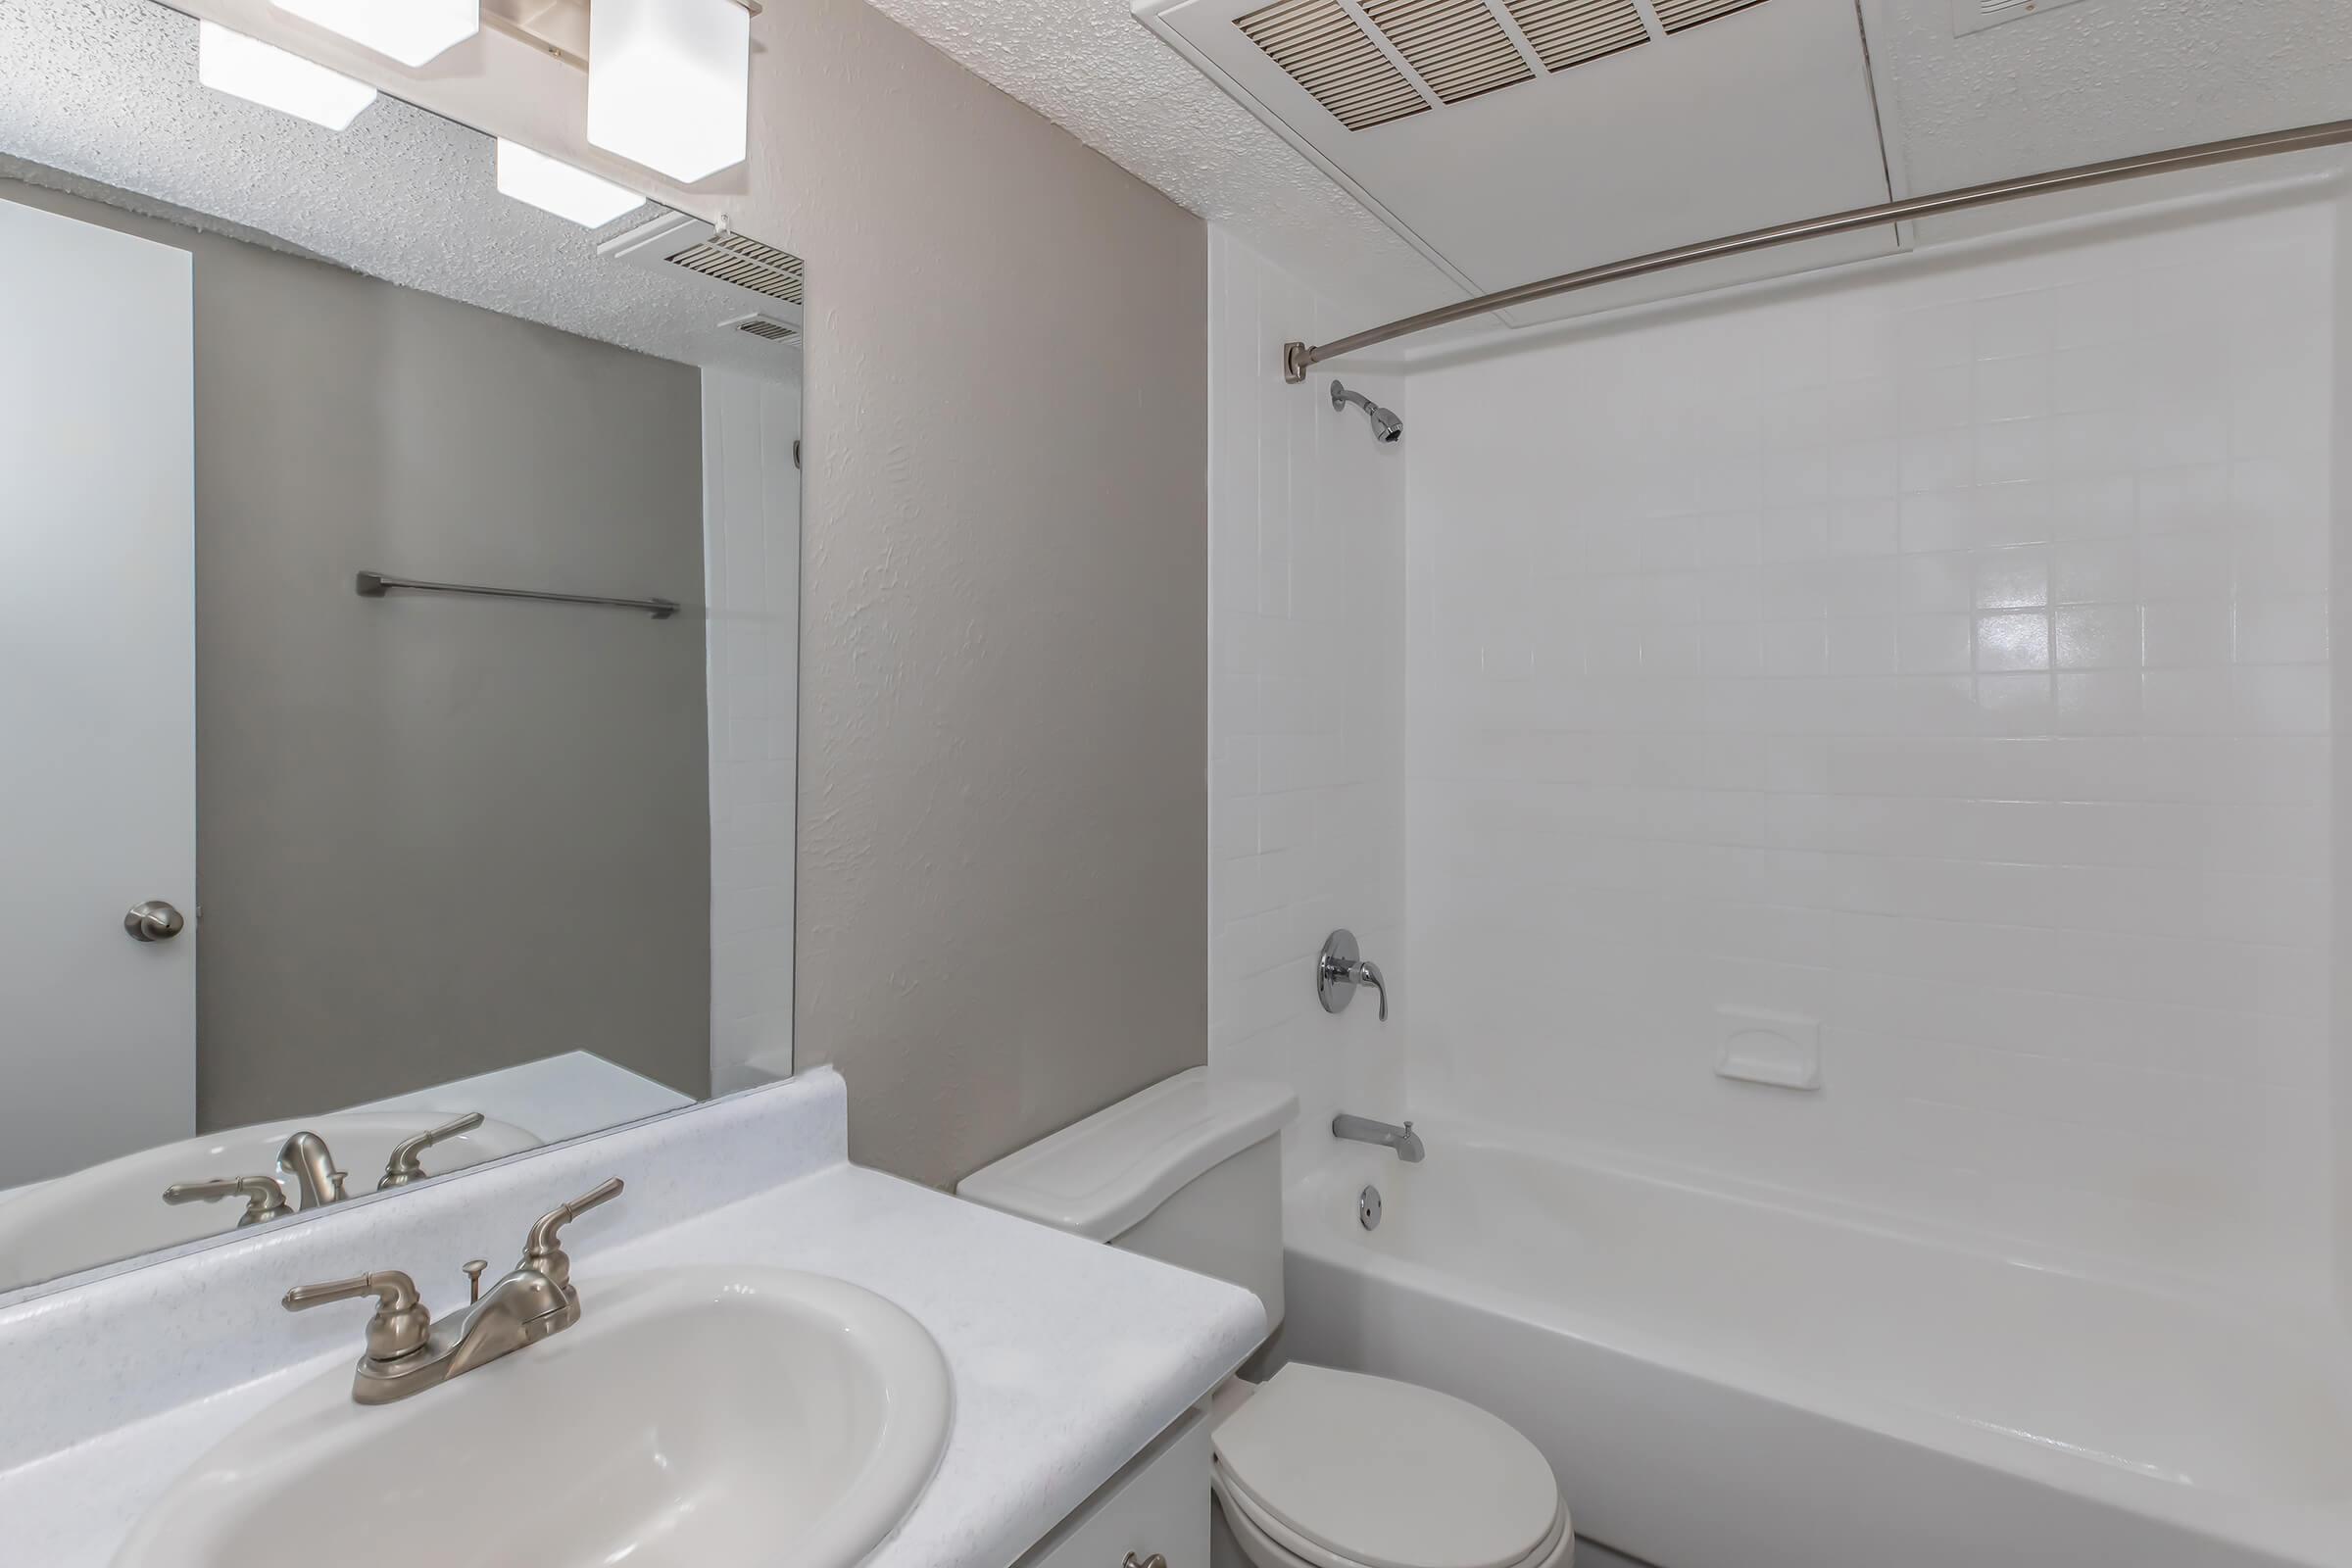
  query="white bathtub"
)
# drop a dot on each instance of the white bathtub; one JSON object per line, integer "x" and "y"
{"x": 1722, "y": 1382}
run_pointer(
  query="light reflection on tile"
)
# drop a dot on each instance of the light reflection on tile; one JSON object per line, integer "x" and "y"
{"x": 2013, "y": 642}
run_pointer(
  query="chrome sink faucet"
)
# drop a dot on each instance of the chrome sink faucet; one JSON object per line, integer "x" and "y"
{"x": 1364, "y": 1130}
{"x": 409, "y": 1352}
{"x": 305, "y": 1156}
{"x": 305, "y": 1159}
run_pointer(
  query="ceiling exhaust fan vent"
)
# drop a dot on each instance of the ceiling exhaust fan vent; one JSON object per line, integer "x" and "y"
{"x": 1458, "y": 46}
{"x": 766, "y": 327}
{"x": 1676, "y": 15}
{"x": 747, "y": 264}
{"x": 1319, "y": 46}
{"x": 1372, "y": 62}
{"x": 1569, "y": 32}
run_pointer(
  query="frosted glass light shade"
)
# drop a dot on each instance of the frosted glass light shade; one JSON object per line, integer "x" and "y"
{"x": 262, "y": 73}
{"x": 669, "y": 84}
{"x": 411, "y": 32}
{"x": 555, "y": 186}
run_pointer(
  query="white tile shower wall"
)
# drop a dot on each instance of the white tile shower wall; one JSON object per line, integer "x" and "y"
{"x": 1307, "y": 723}
{"x": 1940, "y": 654}
{"x": 752, "y": 569}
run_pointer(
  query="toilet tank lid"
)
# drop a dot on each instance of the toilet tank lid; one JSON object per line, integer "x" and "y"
{"x": 1099, "y": 1177}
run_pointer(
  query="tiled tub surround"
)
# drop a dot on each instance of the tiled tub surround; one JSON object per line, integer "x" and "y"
{"x": 1939, "y": 654}
{"x": 1066, "y": 1358}
{"x": 1307, "y": 723}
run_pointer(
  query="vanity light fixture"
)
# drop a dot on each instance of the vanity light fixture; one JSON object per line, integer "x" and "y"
{"x": 669, "y": 84}
{"x": 555, "y": 186}
{"x": 247, "y": 67}
{"x": 411, "y": 32}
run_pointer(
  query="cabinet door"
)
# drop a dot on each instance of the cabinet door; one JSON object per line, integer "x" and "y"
{"x": 1158, "y": 1506}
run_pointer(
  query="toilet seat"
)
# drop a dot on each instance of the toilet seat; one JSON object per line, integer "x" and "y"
{"x": 1259, "y": 1541}
{"x": 1328, "y": 1469}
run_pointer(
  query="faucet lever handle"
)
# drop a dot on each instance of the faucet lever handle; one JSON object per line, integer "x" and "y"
{"x": 401, "y": 1324}
{"x": 403, "y": 1168}
{"x": 544, "y": 1249}
{"x": 1368, "y": 973}
{"x": 264, "y": 1198}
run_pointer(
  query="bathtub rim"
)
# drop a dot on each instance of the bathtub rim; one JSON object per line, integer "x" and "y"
{"x": 2297, "y": 1531}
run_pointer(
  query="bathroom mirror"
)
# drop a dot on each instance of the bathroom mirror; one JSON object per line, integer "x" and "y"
{"x": 399, "y": 605}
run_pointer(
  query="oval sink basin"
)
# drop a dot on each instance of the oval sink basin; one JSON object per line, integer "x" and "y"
{"x": 117, "y": 1209}
{"x": 705, "y": 1417}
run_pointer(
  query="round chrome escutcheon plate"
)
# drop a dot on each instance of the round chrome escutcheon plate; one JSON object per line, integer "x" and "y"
{"x": 1367, "y": 1207}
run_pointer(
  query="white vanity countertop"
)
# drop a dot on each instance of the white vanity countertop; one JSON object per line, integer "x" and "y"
{"x": 1068, "y": 1358}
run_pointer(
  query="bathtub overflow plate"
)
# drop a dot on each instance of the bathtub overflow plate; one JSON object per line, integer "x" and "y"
{"x": 1367, "y": 1207}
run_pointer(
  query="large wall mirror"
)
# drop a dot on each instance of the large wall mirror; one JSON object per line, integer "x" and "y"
{"x": 399, "y": 579}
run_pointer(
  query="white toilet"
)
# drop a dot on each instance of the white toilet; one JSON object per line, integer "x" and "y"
{"x": 1313, "y": 1468}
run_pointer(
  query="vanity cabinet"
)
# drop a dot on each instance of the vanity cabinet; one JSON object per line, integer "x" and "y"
{"x": 1158, "y": 1506}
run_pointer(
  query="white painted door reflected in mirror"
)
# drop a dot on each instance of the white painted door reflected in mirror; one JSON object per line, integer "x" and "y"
{"x": 97, "y": 632}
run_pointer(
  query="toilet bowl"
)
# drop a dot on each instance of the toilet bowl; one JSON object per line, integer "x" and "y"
{"x": 1319, "y": 1468}
{"x": 1315, "y": 1467}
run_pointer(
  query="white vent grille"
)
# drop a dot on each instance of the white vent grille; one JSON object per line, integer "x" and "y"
{"x": 746, "y": 263}
{"x": 766, "y": 327}
{"x": 1319, "y": 46}
{"x": 1459, "y": 49}
{"x": 1569, "y": 32}
{"x": 1676, "y": 15}
{"x": 1458, "y": 46}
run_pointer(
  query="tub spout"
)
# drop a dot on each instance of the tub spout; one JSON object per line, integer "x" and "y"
{"x": 1364, "y": 1130}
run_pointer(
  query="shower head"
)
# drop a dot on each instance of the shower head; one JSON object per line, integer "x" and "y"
{"x": 1386, "y": 428}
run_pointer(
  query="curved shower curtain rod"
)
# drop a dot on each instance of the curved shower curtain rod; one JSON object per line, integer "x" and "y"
{"x": 1297, "y": 359}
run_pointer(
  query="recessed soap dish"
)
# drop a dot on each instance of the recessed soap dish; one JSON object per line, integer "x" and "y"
{"x": 1781, "y": 1049}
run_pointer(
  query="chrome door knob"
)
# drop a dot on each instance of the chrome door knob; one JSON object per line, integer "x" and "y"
{"x": 154, "y": 921}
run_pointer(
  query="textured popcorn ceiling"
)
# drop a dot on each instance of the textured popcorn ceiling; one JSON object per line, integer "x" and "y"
{"x": 2094, "y": 79}
{"x": 2102, "y": 79}
{"x": 100, "y": 98}
{"x": 1095, "y": 70}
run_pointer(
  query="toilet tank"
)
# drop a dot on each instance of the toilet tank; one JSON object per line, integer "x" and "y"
{"x": 1188, "y": 1171}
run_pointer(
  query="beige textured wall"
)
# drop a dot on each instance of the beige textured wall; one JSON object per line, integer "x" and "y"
{"x": 1003, "y": 898}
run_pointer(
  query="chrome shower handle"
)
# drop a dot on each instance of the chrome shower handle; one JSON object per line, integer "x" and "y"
{"x": 1341, "y": 968}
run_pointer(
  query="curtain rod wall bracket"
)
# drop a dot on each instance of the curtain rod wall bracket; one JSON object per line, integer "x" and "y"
{"x": 1298, "y": 358}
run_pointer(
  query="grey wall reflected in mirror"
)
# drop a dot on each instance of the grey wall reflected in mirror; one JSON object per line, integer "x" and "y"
{"x": 439, "y": 853}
